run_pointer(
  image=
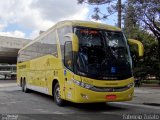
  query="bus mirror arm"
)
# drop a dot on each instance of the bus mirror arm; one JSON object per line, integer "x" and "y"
{"x": 75, "y": 42}
{"x": 140, "y": 46}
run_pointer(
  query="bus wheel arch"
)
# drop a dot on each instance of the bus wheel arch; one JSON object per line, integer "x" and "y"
{"x": 24, "y": 85}
{"x": 55, "y": 81}
{"x": 56, "y": 93}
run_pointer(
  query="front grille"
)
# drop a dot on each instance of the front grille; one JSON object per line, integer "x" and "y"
{"x": 110, "y": 89}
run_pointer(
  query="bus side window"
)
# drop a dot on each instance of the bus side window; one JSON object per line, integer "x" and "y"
{"x": 68, "y": 59}
{"x": 61, "y": 32}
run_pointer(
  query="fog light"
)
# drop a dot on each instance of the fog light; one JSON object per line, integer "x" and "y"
{"x": 130, "y": 85}
{"x": 84, "y": 96}
{"x": 130, "y": 95}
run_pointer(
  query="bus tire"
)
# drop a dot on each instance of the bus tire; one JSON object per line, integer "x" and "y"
{"x": 24, "y": 86}
{"x": 57, "y": 98}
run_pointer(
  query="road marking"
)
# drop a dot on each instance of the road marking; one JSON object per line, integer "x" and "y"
{"x": 9, "y": 89}
{"x": 137, "y": 105}
{"x": 8, "y": 84}
{"x": 12, "y": 102}
{"x": 58, "y": 112}
{"x": 140, "y": 91}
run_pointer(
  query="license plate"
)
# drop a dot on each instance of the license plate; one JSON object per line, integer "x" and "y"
{"x": 111, "y": 97}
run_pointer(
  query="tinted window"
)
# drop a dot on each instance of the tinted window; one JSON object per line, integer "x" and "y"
{"x": 102, "y": 54}
{"x": 47, "y": 45}
{"x": 68, "y": 55}
{"x": 61, "y": 32}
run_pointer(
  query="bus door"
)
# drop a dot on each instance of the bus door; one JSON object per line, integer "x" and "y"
{"x": 68, "y": 74}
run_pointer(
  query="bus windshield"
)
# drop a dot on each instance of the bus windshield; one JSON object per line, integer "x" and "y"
{"x": 102, "y": 54}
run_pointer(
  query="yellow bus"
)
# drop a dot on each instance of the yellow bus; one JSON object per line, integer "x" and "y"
{"x": 79, "y": 61}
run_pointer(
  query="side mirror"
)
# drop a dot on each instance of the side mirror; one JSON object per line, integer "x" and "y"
{"x": 75, "y": 42}
{"x": 68, "y": 55}
{"x": 139, "y": 46}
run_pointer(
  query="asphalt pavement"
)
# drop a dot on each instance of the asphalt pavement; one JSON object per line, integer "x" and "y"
{"x": 15, "y": 104}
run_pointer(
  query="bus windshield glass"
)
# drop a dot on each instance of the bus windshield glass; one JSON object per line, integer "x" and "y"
{"x": 102, "y": 54}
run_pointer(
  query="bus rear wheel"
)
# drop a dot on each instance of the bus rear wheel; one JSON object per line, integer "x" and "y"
{"x": 57, "y": 97}
{"x": 24, "y": 87}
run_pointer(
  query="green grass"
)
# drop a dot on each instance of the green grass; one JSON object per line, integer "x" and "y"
{"x": 151, "y": 81}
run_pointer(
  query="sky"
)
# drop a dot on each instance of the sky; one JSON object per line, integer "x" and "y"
{"x": 25, "y": 18}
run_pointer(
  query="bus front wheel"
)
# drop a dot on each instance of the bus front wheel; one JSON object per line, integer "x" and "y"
{"x": 57, "y": 97}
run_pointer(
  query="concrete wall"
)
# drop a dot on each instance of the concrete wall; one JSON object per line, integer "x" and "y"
{"x": 9, "y": 47}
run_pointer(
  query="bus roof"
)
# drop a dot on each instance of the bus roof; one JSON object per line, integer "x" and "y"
{"x": 88, "y": 24}
{"x": 75, "y": 23}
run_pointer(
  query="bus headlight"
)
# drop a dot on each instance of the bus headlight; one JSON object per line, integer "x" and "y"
{"x": 77, "y": 82}
{"x": 88, "y": 86}
{"x": 82, "y": 84}
{"x": 103, "y": 89}
{"x": 130, "y": 85}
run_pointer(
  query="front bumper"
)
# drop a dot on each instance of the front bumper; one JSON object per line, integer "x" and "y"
{"x": 83, "y": 95}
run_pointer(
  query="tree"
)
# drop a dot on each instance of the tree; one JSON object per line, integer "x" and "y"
{"x": 131, "y": 26}
{"x": 113, "y": 7}
{"x": 148, "y": 14}
{"x": 133, "y": 29}
{"x": 150, "y": 64}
